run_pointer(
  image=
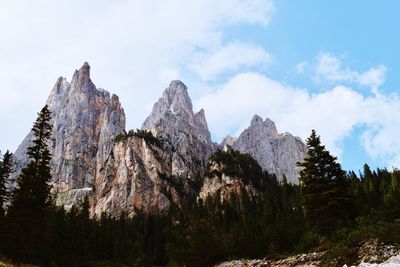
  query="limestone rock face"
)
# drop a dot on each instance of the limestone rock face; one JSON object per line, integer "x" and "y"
{"x": 231, "y": 172}
{"x": 224, "y": 185}
{"x": 139, "y": 176}
{"x": 276, "y": 153}
{"x": 227, "y": 141}
{"x": 85, "y": 122}
{"x": 172, "y": 118}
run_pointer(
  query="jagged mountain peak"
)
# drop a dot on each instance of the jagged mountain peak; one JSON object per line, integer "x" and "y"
{"x": 85, "y": 121}
{"x": 256, "y": 119}
{"x": 261, "y": 126}
{"x": 177, "y": 97}
{"x": 81, "y": 78}
{"x": 173, "y": 118}
{"x": 200, "y": 118}
{"x": 276, "y": 153}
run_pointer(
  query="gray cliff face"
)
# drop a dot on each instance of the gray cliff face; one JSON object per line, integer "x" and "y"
{"x": 276, "y": 153}
{"x": 139, "y": 176}
{"x": 142, "y": 176}
{"x": 224, "y": 185}
{"x": 173, "y": 119}
{"x": 85, "y": 121}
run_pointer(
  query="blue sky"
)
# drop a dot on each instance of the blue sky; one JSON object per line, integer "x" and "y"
{"x": 363, "y": 33}
{"x": 328, "y": 65}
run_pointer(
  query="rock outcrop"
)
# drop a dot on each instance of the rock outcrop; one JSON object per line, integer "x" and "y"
{"x": 368, "y": 253}
{"x": 151, "y": 177}
{"x": 276, "y": 153}
{"x": 172, "y": 119}
{"x": 140, "y": 175}
{"x": 231, "y": 172}
{"x": 85, "y": 122}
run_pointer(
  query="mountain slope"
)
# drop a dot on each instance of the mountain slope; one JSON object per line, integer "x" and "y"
{"x": 276, "y": 153}
{"x": 85, "y": 121}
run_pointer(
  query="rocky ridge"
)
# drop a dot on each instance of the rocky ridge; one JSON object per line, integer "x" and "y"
{"x": 173, "y": 119}
{"x": 276, "y": 153}
{"x": 85, "y": 121}
{"x": 142, "y": 172}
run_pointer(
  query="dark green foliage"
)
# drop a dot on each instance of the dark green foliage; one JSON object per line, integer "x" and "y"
{"x": 241, "y": 227}
{"x": 31, "y": 198}
{"x": 340, "y": 211}
{"x": 6, "y": 167}
{"x": 144, "y": 134}
{"x": 324, "y": 188}
{"x": 237, "y": 164}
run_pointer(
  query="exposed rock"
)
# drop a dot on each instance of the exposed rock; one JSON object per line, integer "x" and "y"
{"x": 225, "y": 185}
{"x": 224, "y": 180}
{"x": 302, "y": 260}
{"x": 276, "y": 153}
{"x": 228, "y": 141}
{"x": 372, "y": 252}
{"x": 85, "y": 121}
{"x": 173, "y": 119}
{"x": 137, "y": 175}
{"x": 140, "y": 176}
{"x": 72, "y": 197}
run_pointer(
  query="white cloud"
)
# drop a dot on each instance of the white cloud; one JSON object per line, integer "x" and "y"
{"x": 134, "y": 48}
{"x": 329, "y": 67}
{"x": 373, "y": 77}
{"x": 225, "y": 59}
{"x": 333, "y": 113}
{"x": 300, "y": 68}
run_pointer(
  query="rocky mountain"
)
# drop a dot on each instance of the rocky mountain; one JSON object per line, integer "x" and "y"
{"x": 276, "y": 153}
{"x": 172, "y": 118}
{"x": 85, "y": 121}
{"x": 140, "y": 174}
{"x": 152, "y": 169}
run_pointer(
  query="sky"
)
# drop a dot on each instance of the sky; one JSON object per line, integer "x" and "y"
{"x": 332, "y": 66}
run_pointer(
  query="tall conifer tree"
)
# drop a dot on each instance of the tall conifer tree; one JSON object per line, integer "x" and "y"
{"x": 31, "y": 198}
{"x": 324, "y": 188}
{"x": 6, "y": 167}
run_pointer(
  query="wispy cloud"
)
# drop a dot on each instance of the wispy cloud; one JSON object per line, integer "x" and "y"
{"x": 333, "y": 113}
{"x": 134, "y": 47}
{"x": 330, "y": 68}
{"x": 225, "y": 59}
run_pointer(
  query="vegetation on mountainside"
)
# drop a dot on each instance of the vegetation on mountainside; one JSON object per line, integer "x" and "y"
{"x": 144, "y": 134}
{"x": 331, "y": 210}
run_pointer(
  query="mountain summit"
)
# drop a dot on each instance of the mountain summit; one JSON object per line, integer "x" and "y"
{"x": 149, "y": 170}
{"x": 276, "y": 153}
{"x": 173, "y": 119}
{"x": 85, "y": 121}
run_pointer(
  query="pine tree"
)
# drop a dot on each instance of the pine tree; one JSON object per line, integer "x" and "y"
{"x": 6, "y": 167}
{"x": 31, "y": 197}
{"x": 324, "y": 188}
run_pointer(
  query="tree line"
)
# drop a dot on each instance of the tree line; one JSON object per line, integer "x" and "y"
{"x": 331, "y": 209}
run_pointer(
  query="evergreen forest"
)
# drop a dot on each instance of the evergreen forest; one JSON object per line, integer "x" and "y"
{"x": 331, "y": 210}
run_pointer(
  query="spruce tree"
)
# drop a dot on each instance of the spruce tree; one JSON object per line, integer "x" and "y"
{"x": 324, "y": 188}
{"x": 6, "y": 167}
{"x": 31, "y": 197}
